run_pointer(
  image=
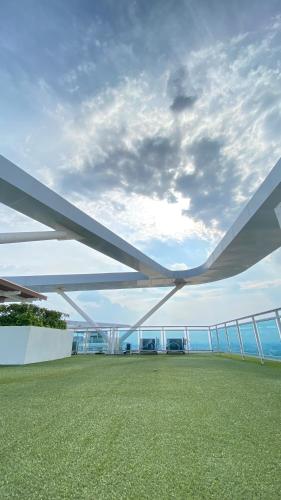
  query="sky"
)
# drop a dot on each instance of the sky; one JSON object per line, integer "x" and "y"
{"x": 159, "y": 119}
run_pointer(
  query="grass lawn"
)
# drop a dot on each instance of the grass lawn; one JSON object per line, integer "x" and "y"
{"x": 141, "y": 427}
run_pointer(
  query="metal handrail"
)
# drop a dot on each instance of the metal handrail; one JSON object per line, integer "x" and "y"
{"x": 209, "y": 329}
{"x": 190, "y": 327}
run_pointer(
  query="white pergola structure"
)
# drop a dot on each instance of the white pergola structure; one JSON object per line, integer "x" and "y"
{"x": 255, "y": 234}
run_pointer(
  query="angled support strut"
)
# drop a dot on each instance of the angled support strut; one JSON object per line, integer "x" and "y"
{"x": 151, "y": 311}
{"x": 76, "y": 307}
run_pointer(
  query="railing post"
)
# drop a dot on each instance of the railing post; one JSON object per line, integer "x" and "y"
{"x": 85, "y": 341}
{"x": 210, "y": 339}
{"x": 141, "y": 336}
{"x": 139, "y": 339}
{"x": 240, "y": 340}
{"x": 188, "y": 340}
{"x": 217, "y": 333}
{"x": 114, "y": 341}
{"x": 278, "y": 321}
{"x": 259, "y": 346}
{"x": 227, "y": 337}
{"x": 109, "y": 341}
{"x": 186, "y": 346}
{"x": 164, "y": 340}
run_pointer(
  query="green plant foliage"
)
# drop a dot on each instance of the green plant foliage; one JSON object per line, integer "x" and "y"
{"x": 29, "y": 314}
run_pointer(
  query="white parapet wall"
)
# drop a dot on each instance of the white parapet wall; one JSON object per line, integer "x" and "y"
{"x": 21, "y": 345}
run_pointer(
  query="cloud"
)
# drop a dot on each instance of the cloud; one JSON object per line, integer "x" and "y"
{"x": 125, "y": 139}
{"x": 260, "y": 284}
{"x": 181, "y": 90}
{"x": 213, "y": 183}
{"x": 147, "y": 167}
{"x": 182, "y": 102}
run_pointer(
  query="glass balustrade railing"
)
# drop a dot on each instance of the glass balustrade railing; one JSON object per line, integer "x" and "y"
{"x": 258, "y": 335}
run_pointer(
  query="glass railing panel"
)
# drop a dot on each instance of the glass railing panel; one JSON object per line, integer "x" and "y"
{"x": 199, "y": 340}
{"x": 79, "y": 341}
{"x": 175, "y": 340}
{"x": 150, "y": 340}
{"x": 223, "y": 344}
{"x": 96, "y": 347}
{"x": 131, "y": 343}
{"x": 234, "y": 344}
{"x": 214, "y": 340}
{"x": 248, "y": 338}
{"x": 270, "y": 338}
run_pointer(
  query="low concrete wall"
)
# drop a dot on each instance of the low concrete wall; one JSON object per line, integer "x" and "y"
{"x": 20, "y": 345}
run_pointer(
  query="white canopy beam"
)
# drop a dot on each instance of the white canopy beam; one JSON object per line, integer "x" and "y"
{"x": 22, "y": 237}
{"x": 254, "y": 235}
{"x": 24, "y": 193}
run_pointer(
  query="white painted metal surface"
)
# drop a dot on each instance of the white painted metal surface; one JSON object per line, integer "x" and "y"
{"x": 278, "y": 213}
{"x": 22, "y": 237}
{"x": 255, "y": 234}
{"x": 77, "y": 308}
{"x": 25, "y": 194}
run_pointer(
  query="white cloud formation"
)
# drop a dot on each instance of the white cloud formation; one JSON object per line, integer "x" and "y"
{"x": 261, "y": 284}
{"x": 126, "y": 148}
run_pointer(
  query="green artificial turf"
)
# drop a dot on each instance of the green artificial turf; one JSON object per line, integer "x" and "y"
{"x": 141, "y": 427}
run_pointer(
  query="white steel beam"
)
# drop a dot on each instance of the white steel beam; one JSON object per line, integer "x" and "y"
{"x": 24, "y": 193}
{"x": 255, "y": 234}
{"x": 22, "y": 237}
